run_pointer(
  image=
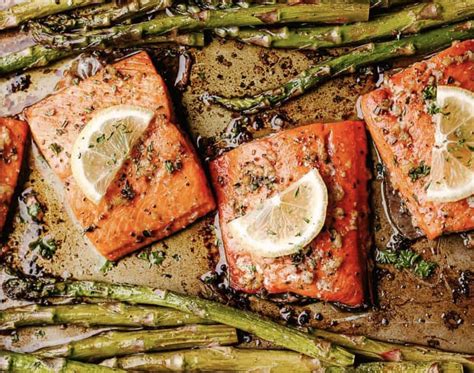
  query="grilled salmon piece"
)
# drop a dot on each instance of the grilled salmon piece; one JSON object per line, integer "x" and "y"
{"x": 161, "y": 189}
{"x": 403, "y": 131}
{"x": 333, "y": 267}
{"x": 13, "y": 137}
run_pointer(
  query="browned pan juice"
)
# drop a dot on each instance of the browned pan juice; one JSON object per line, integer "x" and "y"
{"x": 437, "y": 311}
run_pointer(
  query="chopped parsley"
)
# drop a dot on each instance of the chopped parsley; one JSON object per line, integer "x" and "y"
{"x": 152, "y": 257}
{"x": 434, "y": 109}
{"x": 56, "y": 148}
{"x": 407, "y": 259}
{"x": 419, "y": 171}
{"x": 46, "y": 246}
{"x": 173, "y": 166}
{"x": 100, "y": 139}
{"x": 429, "y": 93}
{"x": 107, "y": 266}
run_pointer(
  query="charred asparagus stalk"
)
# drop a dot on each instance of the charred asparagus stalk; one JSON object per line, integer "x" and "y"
{"x": 287, "y": 337}
{"x": 324, "y": 11}
{"x": 25, "y": 11}
{"x": 39, "y": 55}
{"x": 117, "y": 314}
{"x": 428, "y": 42}
{"x": 13, "y": 362}
{"x": 104, "y": 15}
{"x": 219, "y": 359}
{"x": 386, "y": 351}
{"x": 111, "y": 344}
{"x": 409, "y": 20}
{"x": 409, "y": 367}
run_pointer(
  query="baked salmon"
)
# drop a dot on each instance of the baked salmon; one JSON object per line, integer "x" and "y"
{"x": 148, "y": 200}
{"x": 404, "y": 133}
{"x": 13, "y": 137}
{"x": 333, "y": 266}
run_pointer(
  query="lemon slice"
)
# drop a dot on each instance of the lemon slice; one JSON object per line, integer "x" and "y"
{"x": 104, "y": 144}
{"x": 285, "y": 223}
{"x": 452, "y": 157}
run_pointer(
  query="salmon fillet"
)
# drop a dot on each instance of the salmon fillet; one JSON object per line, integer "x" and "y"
{"x": 148, "y": 200}
{"x": 403, "y": 131}
{"x": 333, "y": 267}
{"x": 13, "y": 136}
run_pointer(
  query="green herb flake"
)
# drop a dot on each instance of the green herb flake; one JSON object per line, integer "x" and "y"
{"x": 418, "y": 172}
{"x": 152, "y": 257}
{"x": 434, "y": 109}
{"x": 47, "y": 247}
{"x": 406, "y": 259}
{"x": 107, "y": 266}
{"x": 429, "y": 93}
{"x": 424, "y": 269}
{"x": 100, "y": 139}
{"x": 56, "y": 148}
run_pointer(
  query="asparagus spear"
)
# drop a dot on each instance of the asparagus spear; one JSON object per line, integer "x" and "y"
{"x": 409, "y": 20}
{"x": 14, "y": 362}
{"x": 324, "y": 11}
{"x": 287, "y": 337}
{"x": 38, "y": 55}
{"x": 409, "y": 367}
{"x": 219, "y": 359}
{"x": 103, "y": 15}
{"x": 118, "y": 314}
{"x": 20, "y": 13}
{"x": 378, "y": 350}
{"x": 389, "y": 3}
{"x": 428, "y": 42}
{"x": 112, "y": 344}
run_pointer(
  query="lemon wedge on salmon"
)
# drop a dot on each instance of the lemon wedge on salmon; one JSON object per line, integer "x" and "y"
{"x": 104, "y": 144}
{"x": 452, "y": 157}
{"x": 286, "y": 222}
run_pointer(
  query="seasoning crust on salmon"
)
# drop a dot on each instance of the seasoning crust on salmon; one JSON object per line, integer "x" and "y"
{"x": 159, "y": 190}
{"x": 333, "y": 266}
{"x": 13, "y": 137}
{"x": 403, "y": 129}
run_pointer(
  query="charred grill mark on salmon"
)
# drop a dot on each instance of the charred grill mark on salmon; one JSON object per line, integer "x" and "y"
{"x": 403, "y": 130}
{"x": 333, "y": 267}
{"x": 13, "y": 136}
{"x": 147, "y": 200}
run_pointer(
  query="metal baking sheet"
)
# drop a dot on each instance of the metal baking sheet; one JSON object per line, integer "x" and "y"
{"x": 438, "y": 311}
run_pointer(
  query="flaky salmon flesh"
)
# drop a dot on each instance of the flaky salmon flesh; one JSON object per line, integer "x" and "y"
{"x": 147, "y": 201}
{"x": 13, "y": 137}
{"x": 404, "y": 133}
{"x": 333, "y": 267}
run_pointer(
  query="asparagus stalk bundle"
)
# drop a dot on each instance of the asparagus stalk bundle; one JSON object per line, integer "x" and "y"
{"x": 379, "y": 350}
{"x": 424, "y": 43}
{"x": 38, "y": 55}
{"x": 20, "y": 13}
{"x": 409, "y": 20}
{"x": 324, "y": 11}
{"x": 111, "y": 344}
{"x": 104, "y": 15}
{"x": 219, "y": 359}
{"x": 287, "y": 337}
{"x": 13, "y": 362}
{"x": 107, "y": 314}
